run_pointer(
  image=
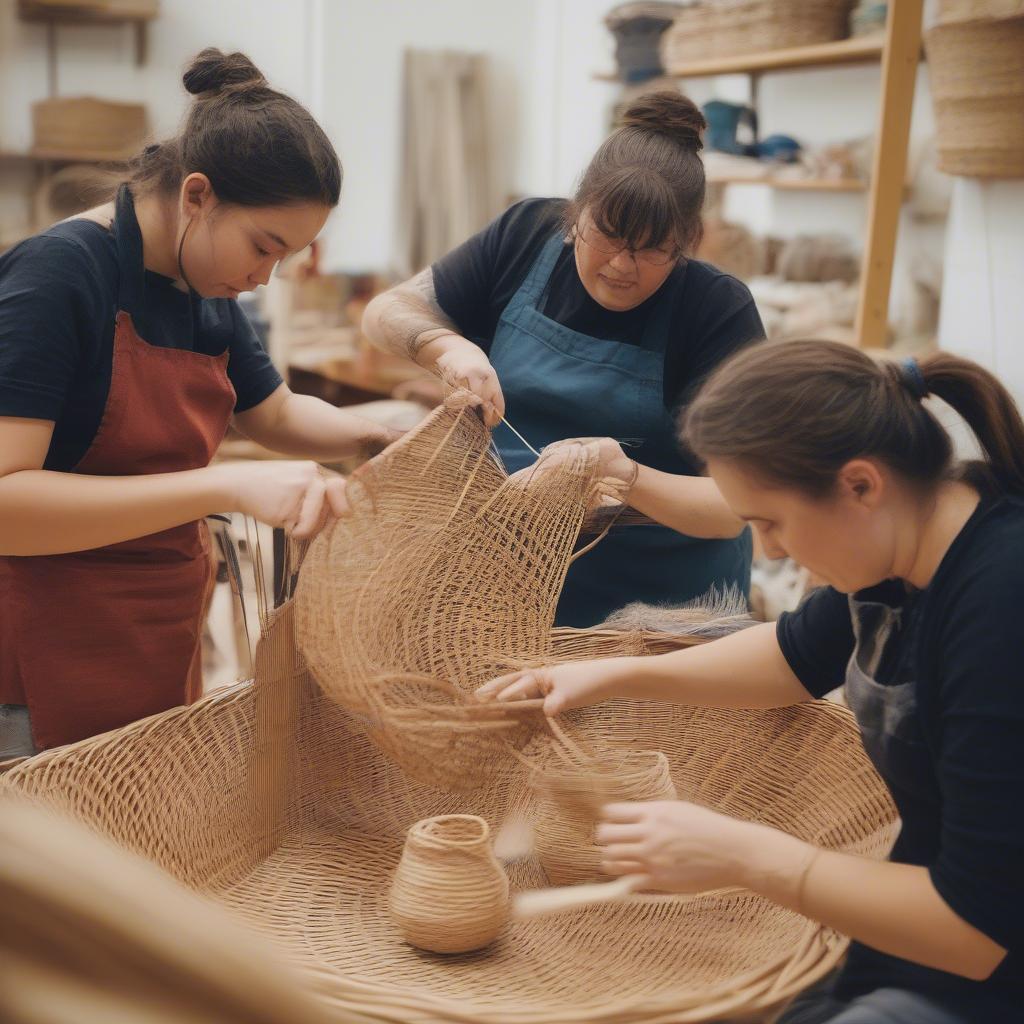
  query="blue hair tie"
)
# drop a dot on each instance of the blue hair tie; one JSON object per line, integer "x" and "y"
{"x": 913, "y": 379}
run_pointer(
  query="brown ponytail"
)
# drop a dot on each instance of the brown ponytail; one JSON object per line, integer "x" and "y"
{"x": 645, "y": 184}
{"x": 257, "y": 146}
{"x": 799, "y": 410}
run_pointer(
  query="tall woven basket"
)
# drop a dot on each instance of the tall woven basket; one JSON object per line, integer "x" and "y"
{"x": 289, "y": 809}
{"x": 977, "y": 81}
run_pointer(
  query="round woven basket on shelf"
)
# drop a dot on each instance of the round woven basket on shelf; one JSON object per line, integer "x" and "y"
{"x": 733, "y": 28}
{"x": 977, "y": 82}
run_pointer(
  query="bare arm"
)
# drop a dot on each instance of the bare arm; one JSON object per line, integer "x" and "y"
{"x": 690, "y": 504}
{"x": 45, "y": 513}
{"x": 894, "y": 908}
{"x": 407, "y": 318}
{"x": 744, "y": 670}
{"x": 408, "y": 321}
{"x": 309, "y": 428}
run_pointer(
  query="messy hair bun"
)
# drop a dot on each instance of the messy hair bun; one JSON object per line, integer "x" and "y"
{"x": 258, "y": 146}
{"x": 667, "y": 113}
{"x": 212, "y": 71}
{"x": 645, "y": 184}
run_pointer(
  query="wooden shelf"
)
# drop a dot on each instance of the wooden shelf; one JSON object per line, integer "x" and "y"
{"x": 861, "y": 50}
{"x": 795, "y": 184}
{"x": 61, "y": 156}
{"x": 53, "y": 16}
{"x": 75, "y": 15}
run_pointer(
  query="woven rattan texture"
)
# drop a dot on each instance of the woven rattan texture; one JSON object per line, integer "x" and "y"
{"x": 288, "y": 800}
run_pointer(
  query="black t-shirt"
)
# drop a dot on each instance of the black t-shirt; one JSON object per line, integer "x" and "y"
{"x": 713, "y": 314}
{"x": 959, "y": 642}
{"x": 58, "y": 301}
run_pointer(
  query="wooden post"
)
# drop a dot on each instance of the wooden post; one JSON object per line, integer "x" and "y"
{"x": 899, "y": 75}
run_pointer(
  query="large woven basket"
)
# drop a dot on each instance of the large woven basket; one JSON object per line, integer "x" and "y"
{"x": 732, "y": 28}
{"x": 977, "y": 82}
{"x": 276, "y": 802}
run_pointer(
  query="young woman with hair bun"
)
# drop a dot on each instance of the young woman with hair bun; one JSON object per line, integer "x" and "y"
{"x": 589, "y": 317}
{"x": 123, "y": 357}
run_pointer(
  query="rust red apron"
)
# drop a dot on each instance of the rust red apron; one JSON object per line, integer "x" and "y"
{"x": 92, "y": 640}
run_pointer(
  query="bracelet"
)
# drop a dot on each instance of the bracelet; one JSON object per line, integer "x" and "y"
{"x": 802, "y": 880}
{"x": 632, "y": 482}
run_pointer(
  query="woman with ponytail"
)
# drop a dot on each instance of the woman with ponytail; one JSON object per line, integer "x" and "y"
{"x": 123, "y": 357}
{"x": 589, "y": 317}
{"x": 840, "y": 462}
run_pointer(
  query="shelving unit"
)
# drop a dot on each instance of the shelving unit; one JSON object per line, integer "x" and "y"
{"x": 864, "y": 50}
{"x": 58, "y": 156}
{"x": 137, "y": 15}
{"x": 793, "y": 184}
{"x": 42, "y": 162}
{"x": 898, "y": 50}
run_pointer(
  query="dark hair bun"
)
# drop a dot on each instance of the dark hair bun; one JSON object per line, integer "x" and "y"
{"x": 212, "y": 72}
{"x": 669, "y": 113}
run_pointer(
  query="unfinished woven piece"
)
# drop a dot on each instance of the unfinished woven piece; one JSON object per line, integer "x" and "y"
{"x": 289, "y": 800}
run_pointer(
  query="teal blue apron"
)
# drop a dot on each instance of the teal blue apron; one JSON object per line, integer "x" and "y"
{"x": 558, "y": 384}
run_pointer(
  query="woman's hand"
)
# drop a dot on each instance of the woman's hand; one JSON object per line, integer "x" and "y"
{"x": 681, "y": 847}
{"x": 563, "y": 687}
{"x": 467, "y": 366}
{"x": 297, "y": 496}
{"x": 615, "y": 469}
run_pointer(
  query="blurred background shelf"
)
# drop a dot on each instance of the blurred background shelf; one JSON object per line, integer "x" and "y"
{"x": 793, "y": 184}
{"x": 863, "y": 50}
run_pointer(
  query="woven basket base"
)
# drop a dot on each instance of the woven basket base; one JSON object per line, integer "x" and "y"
{"x": 555, "y": 969}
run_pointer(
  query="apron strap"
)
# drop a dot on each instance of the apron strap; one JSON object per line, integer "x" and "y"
{"x": 659, "y": 320}
{"x": 534, "y": 288}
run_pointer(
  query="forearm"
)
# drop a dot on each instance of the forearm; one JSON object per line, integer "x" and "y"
{"x": 306, "y": 427}
{"x": 891, "y": 907}
{"x": 743, "y": 670}
{"x": 689, "y": 504}
{"x": 47, "y": 513}
{"x": 404, "y": 320}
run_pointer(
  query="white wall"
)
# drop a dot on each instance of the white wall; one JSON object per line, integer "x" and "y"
{"x": 983, "y": 295}
{"x": 363, "y": 45}
{"x": 100, "y": 61}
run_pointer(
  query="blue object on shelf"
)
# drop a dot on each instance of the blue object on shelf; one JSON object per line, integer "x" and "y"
{"x": 724, "y": 123}
{"x": 782, "y": 149}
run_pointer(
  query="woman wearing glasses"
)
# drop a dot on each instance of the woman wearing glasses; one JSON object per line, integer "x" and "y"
{"x": 585, "y": 318}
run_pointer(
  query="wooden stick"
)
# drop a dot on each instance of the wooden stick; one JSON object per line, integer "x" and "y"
{"x": 541, "y": 902}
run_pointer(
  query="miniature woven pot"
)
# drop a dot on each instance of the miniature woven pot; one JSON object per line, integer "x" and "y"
{"x": 450, "y": 894}
{"x": 569, "y": 802}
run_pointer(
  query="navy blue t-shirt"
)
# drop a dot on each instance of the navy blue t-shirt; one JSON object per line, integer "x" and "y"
{"x": 58, "y": 301}
{"x": 959, "y": 644}
{"x": 712, "y": 314}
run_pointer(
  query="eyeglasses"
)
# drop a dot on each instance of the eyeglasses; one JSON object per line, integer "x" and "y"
{"x": 606, "y": 247}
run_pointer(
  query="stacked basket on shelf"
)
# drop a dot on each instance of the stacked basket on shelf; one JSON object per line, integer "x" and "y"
{"x": 731, "y": 28}
{"x": 976, "y": 65}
